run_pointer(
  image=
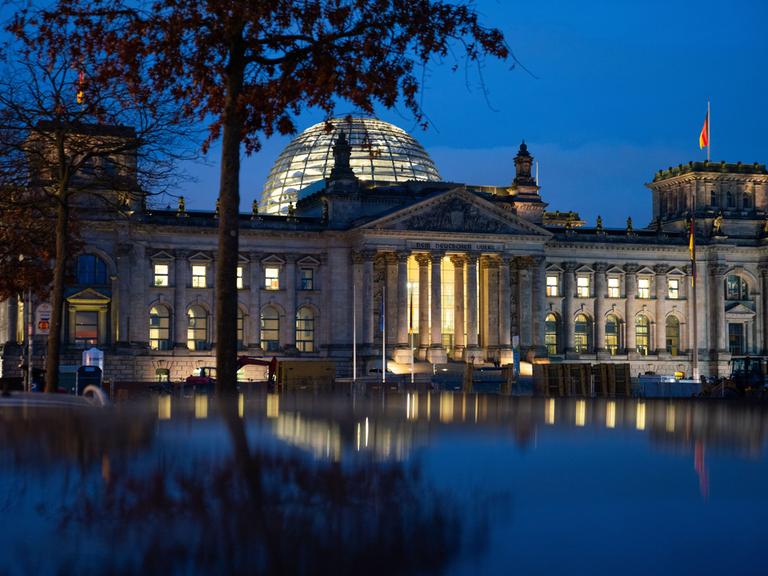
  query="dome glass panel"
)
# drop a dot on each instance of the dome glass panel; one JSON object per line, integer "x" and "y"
{"x": 381, "y": 153}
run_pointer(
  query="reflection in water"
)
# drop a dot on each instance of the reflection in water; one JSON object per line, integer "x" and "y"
{"x": 273, "y": 405}
{"x": 670, "y": 419}
{"x": 446, "y": 407}
{"x": 549, "y": 411}
{"x": 610, "y": 414}
{"x": 164, "y": 407}
{"x": 581, "y": 413}
{"x": 640, "y": 418}
{"x": 201, "y": 406}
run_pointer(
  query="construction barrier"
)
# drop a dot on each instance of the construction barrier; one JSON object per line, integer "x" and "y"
{"x": 579, "y": 379}
{"x": 292, "y": 374}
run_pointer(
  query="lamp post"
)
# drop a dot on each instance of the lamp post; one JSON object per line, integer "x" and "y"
{"x": 28, "y": 325}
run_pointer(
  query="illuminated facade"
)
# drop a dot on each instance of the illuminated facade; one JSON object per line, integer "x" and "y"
{"x": 441, "y": 271}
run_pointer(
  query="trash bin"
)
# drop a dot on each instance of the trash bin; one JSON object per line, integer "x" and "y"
{"x": 88, "y": 376}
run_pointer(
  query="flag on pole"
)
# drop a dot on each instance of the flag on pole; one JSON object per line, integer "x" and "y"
{"x": 80, "y": 84}
{"x": 704, "y": 135}
{"x": 410, "y": 315}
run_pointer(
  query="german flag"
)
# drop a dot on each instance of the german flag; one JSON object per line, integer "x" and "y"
{"x": 704, "y": 135}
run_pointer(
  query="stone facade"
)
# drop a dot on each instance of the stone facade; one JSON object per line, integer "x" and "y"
{"x": 317, "y": 278}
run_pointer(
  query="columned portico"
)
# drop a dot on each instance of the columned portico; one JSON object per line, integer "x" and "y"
{"x": 472, "y": 352}
{"x": 505, "y": 335}
{"x": 458, "y": 307}
{"x": 402, "y": 353}
{"x": 631, "y": 288}
{"x": 717, "y": 275}
{"x": 661, "y": 325}
{"x": 539, "y": 304}
{"x": 568, "y": 293}
{"x": 600, "y": 292}
{"x": 423, "y": 260}
{"x": 367, "y": 257}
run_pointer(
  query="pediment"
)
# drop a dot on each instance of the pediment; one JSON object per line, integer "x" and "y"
{"x": 308, "y": 261}
{"x": 585, "y": 269}
{"x": 740, "y": 310}
{"x": 646, "y": 271}
{"x": 89, "y": 295}
{"x": 161, "y": 255}
{"x": 200, "y": 257}
{"x": 456, "y": 211}
{"x": 615, "y": 270}
{"x": 554, "y": 268}
{"x": 675, "y": 272}
{"x": 242, "y": 259}
{"x": 272, "y": 259}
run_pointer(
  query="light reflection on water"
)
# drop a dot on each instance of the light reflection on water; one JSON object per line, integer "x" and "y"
{"x": 544, "y": 485}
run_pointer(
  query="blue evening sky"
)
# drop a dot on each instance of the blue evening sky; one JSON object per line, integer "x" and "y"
{"x": 618, "y": 89}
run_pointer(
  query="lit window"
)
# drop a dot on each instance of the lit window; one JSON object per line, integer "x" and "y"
{"x": 612, "y": 335}
{"x": 582, "y": 341}
{"x": 161, "y": 275}
{"x": 307, "y": 279}
{"x": 271, "y": 278}
{"x": 642, "y": 334}
{"x": 240, "y": 329}
{"x": 673, "y": 335}
{"x": 644, "y": 288}
{"x": 270, "y": 329}
{"x": 614, "y": 287}
{"x": 86, "y": 328}
{"x": 550, "y": 333}
{"x": 197, "y": 328}
{"x": 552, "y": 285}
{"x": 582, "y": 286}
{"x": 198, "y": 276}
{"x": 305, "y": 330}
{"x": 240, "y": 284}
{"x": 159, "y": 328}
{"x": 673, "y": 292}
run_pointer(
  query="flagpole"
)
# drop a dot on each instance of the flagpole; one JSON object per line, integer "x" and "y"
{"x": 354, "y": 332}
{"x": 709, "y": 135}
{"x": 410, "y": 327}
{"x": 695, "y": 357}
{"x": 383, "y": 334}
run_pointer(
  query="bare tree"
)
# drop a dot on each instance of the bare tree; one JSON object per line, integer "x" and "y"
{"x": 71, "y": 147}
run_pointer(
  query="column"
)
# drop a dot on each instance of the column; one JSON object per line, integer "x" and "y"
{"x": 423, "y": 260}
{"x": 763, "y": 342}
{"x": 289, "y": 334}
{"x": 436, "y": 353}
{"x": 138, "y": 315}
{"x": 569, "y": 286}
{"x": 717, "y": 305}
{"x": 367, "y": 297}
{"x": 600, "y": 293}
{"x": 403, "y": 303}
{"x": 490, "y": 304}
{"x": 525, "y": 302}
{"x": 123, "y": 294}
{"x": 661, "y": 295}
{"x": 392, "y": 310}
{"x": 472, "y": 352}
{"x": 254, "y": 306}
{"x": 505, "y": 336}
{"x": 181, "y": 273}
{"x": 539, "y": 303}
{"x": 458, "y": 306}
{"x": 631, "y": 291}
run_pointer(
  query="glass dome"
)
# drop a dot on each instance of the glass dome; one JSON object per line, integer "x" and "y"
{"x": 381, "y": 152}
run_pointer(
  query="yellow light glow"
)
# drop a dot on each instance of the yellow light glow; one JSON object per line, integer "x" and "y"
{"x": 357, "y": 437}
{"x": 412, "y": 406}
{"x": 463, "y": 407}
{"x": 429, "y": 405}
{"x": 640, "y": 417}
{"x": 366, "y": 432}
{"x": 201, "y": 406}
{"x": 446, "y": 407}
{"x": 581, "y": 413}
{"x": 610, "y": 414}
{"x": 549, "y": 411}
{"x": 477, "y": 407}
{"x": 670, "y": 418}
{"x": 240, "y": 405}
{"x": 164, "y": 407}
{"x": 273, "y": 405}
{"x": 526, "y": 369}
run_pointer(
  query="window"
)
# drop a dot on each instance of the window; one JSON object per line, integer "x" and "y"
{"x": 552, "y": 285}
{"x": 736, "y": 339}
{"x": 86, "y": 328}
{"x": 240, "y": 283}
{"x": 644, "y": 288}
{"x": 198, "y": 276}
{"x": 582, "y": 286}
{"x": 614, "y": 287}
{"x": 612, "y": 335}
{"x": 582, "y": 341}
{"x": 642, "y": 335}
{"x": 550, "y": 334}
{"x": 307, "y": 279}
{"x": 272, "y": 278}
{"x": 270, "y": 329}
{"x": 159, "y": 328}
{"x": 673, "y": 335}
{"x": 673, "y": 288}
{"x": 713, "y": 199}
{"x": 240, "y": 329}
{"x": 91, "y": 270}
{"x": 197, "y": 328}
{"x": 305, "y": 330}
{"x": 160, "y": 275}
{"x": 747, "y": 200}
{"x": 736, "y": 288}
{"x": 730, "y": 199}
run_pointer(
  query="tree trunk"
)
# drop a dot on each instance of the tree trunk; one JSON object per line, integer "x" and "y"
{"x": 57, "y": 296}
{"x": 229, "y": 209}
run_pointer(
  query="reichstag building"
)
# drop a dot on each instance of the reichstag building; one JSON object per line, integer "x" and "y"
{"x": 356, "y": 237}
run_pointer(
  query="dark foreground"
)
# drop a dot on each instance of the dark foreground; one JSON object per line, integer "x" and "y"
{"x": 440, "y": 483}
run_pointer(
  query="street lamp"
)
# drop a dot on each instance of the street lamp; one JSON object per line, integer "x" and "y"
{"x": 28, "y": 325}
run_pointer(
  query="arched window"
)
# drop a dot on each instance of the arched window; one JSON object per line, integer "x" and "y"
{"x": 736, "y": 288}
{"x": 582, "y": 341}
{"x": 550, "y": 333}
{"x": 713, "y": 199}
{"x": 270, "y": 329}
{"x": 673, "y": 335}
{"x": 159, "y": 328}
{"x": 91, "y": 270}
{"x": 305, "y": 330}
{"x": 730, "y": 200}
{"x": 197, "y": 328}
{"x": 642, "y": 334}
{"x": 613, "y": 335}
{"x": 240, "y": 329}
{"x": 748, "y": 203}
